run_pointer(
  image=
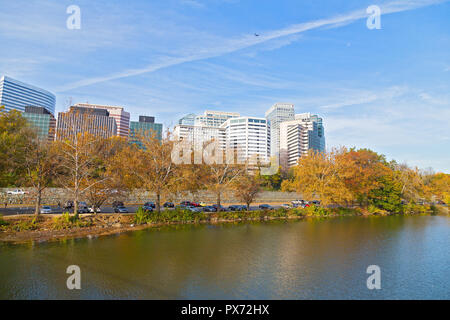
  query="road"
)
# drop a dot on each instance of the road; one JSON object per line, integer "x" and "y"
{"x": 55, "y": 210}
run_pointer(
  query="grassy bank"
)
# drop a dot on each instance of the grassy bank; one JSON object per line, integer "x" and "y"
{"x": 22, "y": 228}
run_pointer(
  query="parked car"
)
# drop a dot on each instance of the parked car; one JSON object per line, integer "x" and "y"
{"x": 286, "y": 206}
{"x": 185, "y": 203}
{"x": 209, "y": 209}
{"x": 222, "y": 208}
{"x": 16, "y": 192}
{"x": 117, "y": 203}
{"x": 46, "y": 209}
{"x": 120, "y": 209}
{"x": 265, "y": 207}
{"x": 237, "y": 207}
{"x": 150, "y": 204}
{"x": 68, "y": 205}
{"x": 193, "y": 209}
{"x": 168, "y": 205}
{"x": 202, "y": 204}
{"x": 91, "y": 210}
{"x": 147, "y": 208}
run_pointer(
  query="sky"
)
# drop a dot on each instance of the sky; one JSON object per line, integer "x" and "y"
{"x": 386, "y": 89}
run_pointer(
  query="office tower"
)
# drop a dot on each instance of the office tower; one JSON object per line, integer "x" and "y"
{"x": 298, "y": 136}
{"x": 85, "y": 120}
{"x": 199, "y": 135}
{"x": 278, "y": 113}
{"x": 145, "y": 127}
{"x": 214, "y": 118}
{"x": 188, "y": 119}
{"x": 16, "y": 95}
{"x": 250, "y": 137}
{"x": 42, "y": 121}
{"x": 121, "y": 117}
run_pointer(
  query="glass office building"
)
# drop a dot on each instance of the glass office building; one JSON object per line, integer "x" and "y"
{"x": 16, "y": 95}
{"x": 145, "y": 127}
{"x": 42, "y": 121}
{"x": 277, "y": 114}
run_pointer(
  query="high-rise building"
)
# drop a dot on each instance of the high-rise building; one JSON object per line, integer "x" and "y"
{"x": 250, "y": 137}
{"x": 121, "y": 117}
{"x": 188, "y": 119}
{"x": 199, "y": 135}
{"x": 145, "y": 127}
{"x": 16, "y": 95}
{"x": 298, "y": 136}
{"x": 278, "y": 113}
{"x": 214, "y": 118}
{"x": 81, "y": 120}
{"x": 42, "y": 121}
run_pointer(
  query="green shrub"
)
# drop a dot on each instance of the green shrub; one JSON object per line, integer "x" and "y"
{"x": 67, "y": 221}
{"x": 3, "y": 222}
{"x": 25, "y": 225}
{"x": 141, "y": 216}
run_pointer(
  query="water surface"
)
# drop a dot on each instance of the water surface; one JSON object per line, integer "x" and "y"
{"x": 312, "y": 259}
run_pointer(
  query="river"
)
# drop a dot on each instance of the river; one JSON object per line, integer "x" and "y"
{"x": 309, "y": 259}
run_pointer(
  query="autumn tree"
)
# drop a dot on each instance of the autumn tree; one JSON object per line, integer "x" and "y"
{"x": 77, "y": 153}
{"x": 148, "y": 165}
{"x": 317, "y": 177}
{"x": 15, "y": 136}
{"x": 40, "y": 168}
{"x": 247, "y": 187}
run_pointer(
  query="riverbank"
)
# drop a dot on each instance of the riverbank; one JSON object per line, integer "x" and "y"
{"x": 28, "y": 228}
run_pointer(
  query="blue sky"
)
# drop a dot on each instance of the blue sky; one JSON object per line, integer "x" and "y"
{"x": 387, "y": 89}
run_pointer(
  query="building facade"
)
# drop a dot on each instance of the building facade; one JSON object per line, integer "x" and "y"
{"x": 16, "y": 95}
{"x": 121, "y": 117}
{"x": 249, "y": 137}
{"x": 85, "y": 120}
{"x": 214, "y": 118}
{"x": 277, "y": 114}
{"x": 42, "y": 121}
{"x": 188, "y": 119}
{"x": 298, "y": 136}
{"x": 199, "y": 136}
{"x": 145, "y": 127}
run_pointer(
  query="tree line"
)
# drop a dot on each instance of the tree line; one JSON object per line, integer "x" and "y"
{"x": 97, "y": 169}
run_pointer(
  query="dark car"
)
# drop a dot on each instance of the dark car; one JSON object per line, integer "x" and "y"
{"x": 116, "y": 204}
{"x": 168, "y": 205}
{"x": 222, "y": 208}
{"x": 147, "y": 208}
{"x": 209, "y": 209}
{"x": 150, "y": 204}
{"x": 185, "y": 203}
{"x": 68, "y": 205}
{"x": 120, "y": 209}
{"x": 237, "y": 207}
{"x": 265, "y": 207}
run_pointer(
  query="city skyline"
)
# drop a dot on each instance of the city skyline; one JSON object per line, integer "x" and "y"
{"x": 181, "y": 57}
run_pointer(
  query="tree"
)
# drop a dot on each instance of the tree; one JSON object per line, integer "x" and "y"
{"x": 15, "y": 136}
{"x": 361, "y": 171}
{"x": 387, "y": 195}
{"x": 317, "y": 177}
{"x": 148, "y": 165}
{"x": 77, "y": 153}
{"x": 247, "y": 187}
{"x": 40, "y": 167}
{"x": 411, "y": 182}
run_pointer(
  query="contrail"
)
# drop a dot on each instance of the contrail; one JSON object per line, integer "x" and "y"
{"x": 249, "y": 41}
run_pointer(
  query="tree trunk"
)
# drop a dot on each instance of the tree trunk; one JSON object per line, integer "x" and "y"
{"x": 38, "y": 200}
{"x": 158, "y": 202}
{"x": 219, "y": 207}
{"x": 248, "y": 206}
{"x": 75, "y": 203}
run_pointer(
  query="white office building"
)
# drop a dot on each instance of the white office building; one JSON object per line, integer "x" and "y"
{"x": 250, "y": 137}
{"x": 214, "y": 118}
{"x": 298, "y": 136}
{"x": 199, "y": 135}
{"x": 277, "y": 114}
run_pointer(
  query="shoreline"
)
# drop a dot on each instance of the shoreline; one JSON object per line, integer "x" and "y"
{"x": 113, "y": 224}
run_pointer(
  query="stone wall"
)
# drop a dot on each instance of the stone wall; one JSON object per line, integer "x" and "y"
{"x": 55, "y": 195}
